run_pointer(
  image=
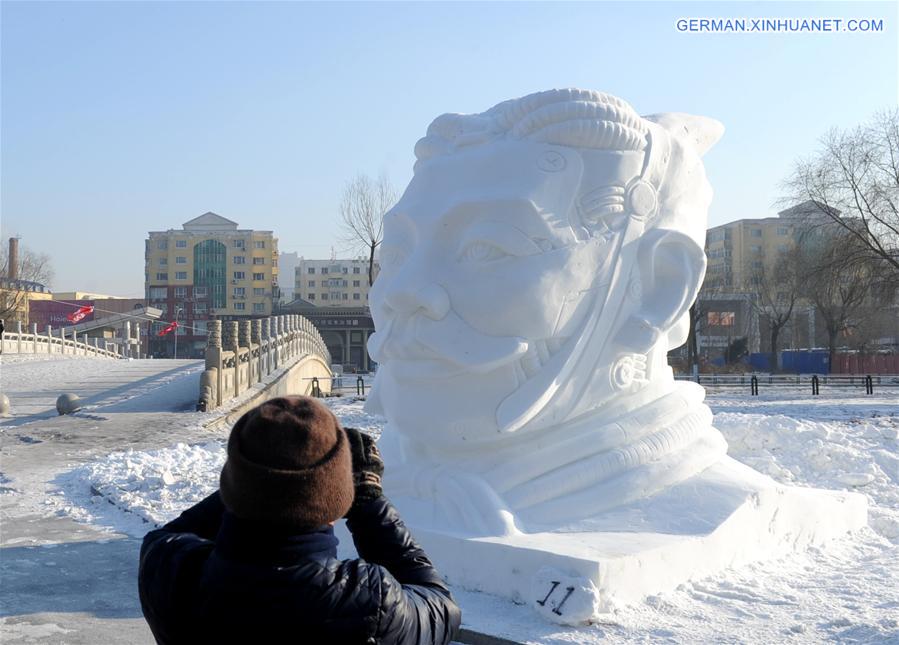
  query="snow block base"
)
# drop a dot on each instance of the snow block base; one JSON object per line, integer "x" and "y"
{"x": 727, "y": 516}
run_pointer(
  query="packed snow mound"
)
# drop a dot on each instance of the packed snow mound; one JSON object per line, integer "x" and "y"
{"x": 858, "y": 455}
{"x": 841, "y": 592}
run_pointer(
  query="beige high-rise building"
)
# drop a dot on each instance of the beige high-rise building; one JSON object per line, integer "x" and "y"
{"x": 333, "y": 283}
{"x": 209, "y": 269}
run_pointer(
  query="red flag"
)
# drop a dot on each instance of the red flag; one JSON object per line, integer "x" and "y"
{"x": 172, "y": 327}
{"x": 77, "y": 316}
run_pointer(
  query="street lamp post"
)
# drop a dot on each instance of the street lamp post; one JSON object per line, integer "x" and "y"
{"x": 177, "y": 314}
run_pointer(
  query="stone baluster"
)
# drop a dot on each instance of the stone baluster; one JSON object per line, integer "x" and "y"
{"x": 266, "y": 336}
{"x": 49, "y": 339}
{"x": 256, "y": 339}
{"x": 214, "y": 356}
{"x": 230, "y": 344}
{"x": 19, "y": 332}
{"x": 137, "y": 336}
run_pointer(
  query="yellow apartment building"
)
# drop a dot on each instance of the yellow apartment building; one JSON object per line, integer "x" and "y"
{"x": 210, "y": 269}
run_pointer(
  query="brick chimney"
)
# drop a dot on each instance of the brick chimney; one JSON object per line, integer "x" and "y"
{"x": 13, "y": 268}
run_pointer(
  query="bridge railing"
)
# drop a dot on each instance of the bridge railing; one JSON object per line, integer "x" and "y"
{"x": 240, "y": 354}
{"x": 19, "y": 342}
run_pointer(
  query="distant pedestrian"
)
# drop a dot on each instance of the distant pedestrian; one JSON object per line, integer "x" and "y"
{"x": 2, "y": 329}
{"x": 256, "y": 561}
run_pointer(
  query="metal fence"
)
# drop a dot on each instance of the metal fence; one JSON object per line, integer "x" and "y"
{"x": 813, "y": 381}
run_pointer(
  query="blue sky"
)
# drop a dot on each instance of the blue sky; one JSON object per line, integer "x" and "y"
{"x": 124, "y": 117}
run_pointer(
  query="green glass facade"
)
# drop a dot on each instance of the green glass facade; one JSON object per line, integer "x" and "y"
{"x": 210, "y": 270}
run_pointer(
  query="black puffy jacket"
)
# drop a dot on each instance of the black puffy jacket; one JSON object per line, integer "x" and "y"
{"x": 208, "y": 577}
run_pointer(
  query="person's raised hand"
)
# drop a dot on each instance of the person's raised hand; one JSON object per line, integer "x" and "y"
{"x": 368, "y": 467}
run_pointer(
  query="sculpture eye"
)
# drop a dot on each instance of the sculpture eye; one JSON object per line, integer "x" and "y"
{"x": 481, "y": 251}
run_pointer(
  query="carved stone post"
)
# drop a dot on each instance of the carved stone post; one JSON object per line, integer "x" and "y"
{"x": 49, "y": 339}
{"x": 265, "y": 349}
{"x": 19, "y": 333}
{"x": 214, "y": 355}
{"x": 128, "y": 338}
{"x": 137, "y": 336}
{"x": 256, "y": 339}
{"x": 229, "y": 344}
{"x": 34, "y": 338}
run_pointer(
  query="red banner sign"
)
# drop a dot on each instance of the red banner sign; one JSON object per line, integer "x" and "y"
{"x": 172, "y": 327}
{"x": 80, "y": 314}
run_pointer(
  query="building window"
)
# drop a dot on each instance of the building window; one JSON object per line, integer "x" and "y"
{"x": 200, "y": 292}
{"x": 324, "y": 270}
{"x": 180, "y": 244}
{"x": 259, "y": 276}
{"x": 259, "y": 307}
{"x": 239, "y": 292}
{"x": 162, "y": 276}
{"x": 324, "y": 296}
{"x": 783, "y": 230}
{"x": 240, "y": 259}
{"x": 311, "y": 270}
{"x": 180, "y": 292}
{"x": 311, "y": 284}
{"x": 158, "y": 293}
{"x": 200, "y": 327}
{"x": 180, "y": 260}
{"x": 258, "y": 261}
{"x": 344, "y": 270}
{"x": 238, "y": 244}
{"x": 259, "y": 244}
{"x": 240, "y": 306}
{"x": 756, "y": 232}
{"x": 721, "y": 318}
{"x": 311, "y": 296}
{"x": 258, "y": 291}
{"x": 356, "y": 270}
{"x": 199, "y": 308}
{"x": 163, "y": 262}
{"x": 756, "y": 264}
{"x": 355, "y": 283}
{"x": 755, "y": 249}
{"x": 346, "y": 296}
{"x": 162, "y": 245}
{"x": 356, "y": 296}
{"x": 240, "y": 275}
{"x": 180, "y": 275}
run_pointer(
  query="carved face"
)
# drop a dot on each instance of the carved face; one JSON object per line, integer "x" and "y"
{"x": 487, "y": 275}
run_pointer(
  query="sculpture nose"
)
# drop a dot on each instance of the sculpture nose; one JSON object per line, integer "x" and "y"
{"x": 431, "y": 301}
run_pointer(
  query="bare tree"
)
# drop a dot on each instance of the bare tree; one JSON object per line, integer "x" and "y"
{"x": 853, "y": 181}
{"x": 32, "y": 268}
{"x": 362, "y": 209}
{"x": 836, "y": 281}
{"x": 775, "y": 287}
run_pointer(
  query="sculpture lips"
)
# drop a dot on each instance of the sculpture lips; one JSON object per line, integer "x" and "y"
{"x": 449, "y": 343}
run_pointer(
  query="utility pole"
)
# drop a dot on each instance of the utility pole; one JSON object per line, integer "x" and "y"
{"x": 177, "y": 313}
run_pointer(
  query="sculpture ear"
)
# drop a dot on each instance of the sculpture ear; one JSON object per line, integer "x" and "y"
{"x": 671, "y": 267}
{"x": 701, "y": 132}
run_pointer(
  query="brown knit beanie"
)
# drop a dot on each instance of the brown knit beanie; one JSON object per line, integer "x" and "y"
{"x": 288, "y": 464}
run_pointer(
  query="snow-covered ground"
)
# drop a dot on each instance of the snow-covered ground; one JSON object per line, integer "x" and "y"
{"x": 34, "y": 381}
{"x": 848, "y": 591}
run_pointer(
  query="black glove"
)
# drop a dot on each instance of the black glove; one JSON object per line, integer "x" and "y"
{"x": 368, "y": 467}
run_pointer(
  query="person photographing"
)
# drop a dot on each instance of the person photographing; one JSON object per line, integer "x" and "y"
{"x": 256, "y": 561}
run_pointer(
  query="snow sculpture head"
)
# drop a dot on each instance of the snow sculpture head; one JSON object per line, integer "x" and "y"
{"x": 538, "y": 267}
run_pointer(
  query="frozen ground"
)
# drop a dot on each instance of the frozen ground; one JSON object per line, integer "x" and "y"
{"x": 847, "y": 592}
